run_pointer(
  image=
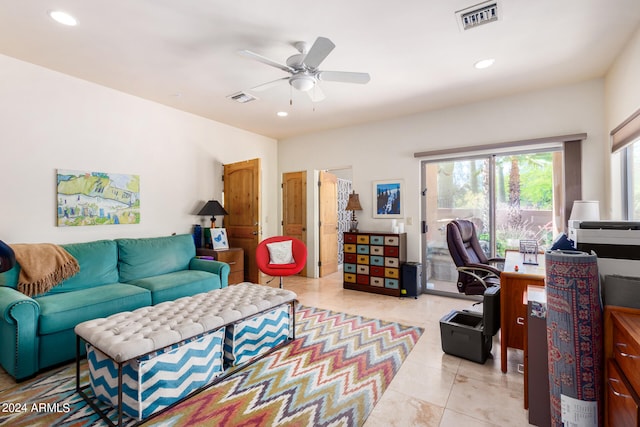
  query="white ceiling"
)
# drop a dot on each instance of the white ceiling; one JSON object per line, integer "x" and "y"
{"x": 183, "y": 53}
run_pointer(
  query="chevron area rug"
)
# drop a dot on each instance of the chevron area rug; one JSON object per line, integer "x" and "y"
{"x": 331, "y": 375}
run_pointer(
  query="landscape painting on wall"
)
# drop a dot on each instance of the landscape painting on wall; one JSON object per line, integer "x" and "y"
{"x": 388, "y": 198}
{"x": 97, "y": 198}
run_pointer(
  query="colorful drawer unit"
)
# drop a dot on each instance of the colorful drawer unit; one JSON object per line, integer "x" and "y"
{"x": 372, "y": 261}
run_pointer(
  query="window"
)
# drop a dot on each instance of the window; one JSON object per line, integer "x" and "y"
{"x": 631, "y": 180}
{"x": 625, "y": 139}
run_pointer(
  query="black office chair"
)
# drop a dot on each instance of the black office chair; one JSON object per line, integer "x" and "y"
{"x": 475, "y": 272}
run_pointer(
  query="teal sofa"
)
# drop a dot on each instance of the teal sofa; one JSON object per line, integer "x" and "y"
{"x": 115, "y": 276}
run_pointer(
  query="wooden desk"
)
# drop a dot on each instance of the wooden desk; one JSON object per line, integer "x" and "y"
{"x": 513, "y": 285}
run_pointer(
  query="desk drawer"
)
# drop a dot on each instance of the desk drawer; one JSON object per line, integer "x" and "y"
{"x": 622, "y": 403}
{"x": 626, "y": 351}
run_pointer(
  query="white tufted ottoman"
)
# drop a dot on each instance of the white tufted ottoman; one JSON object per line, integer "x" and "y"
{"x": 145, "y": 360}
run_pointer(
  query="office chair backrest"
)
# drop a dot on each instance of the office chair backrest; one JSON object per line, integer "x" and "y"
{"x": 464, "y": 244}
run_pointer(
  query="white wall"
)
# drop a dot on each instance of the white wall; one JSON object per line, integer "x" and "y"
{"x": 52, "y": 121}
{"x": 622, "y": 96}
{"x": 384, "y": 150}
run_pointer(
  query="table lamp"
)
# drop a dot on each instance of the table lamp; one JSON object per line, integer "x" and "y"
{"x": 585, "y": 210}
{"x": 353, "y": 205}
{"x": 213, "y": 208}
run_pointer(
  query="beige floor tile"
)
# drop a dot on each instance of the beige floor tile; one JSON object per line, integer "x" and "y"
{"x": 396, "y": 409}
{"x": 429, "y": 384}
{"x": 487, "y": 402}
{"x": 454, "y": 419}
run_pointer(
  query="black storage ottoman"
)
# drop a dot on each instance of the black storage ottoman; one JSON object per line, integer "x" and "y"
{"x": 462, "y": 335}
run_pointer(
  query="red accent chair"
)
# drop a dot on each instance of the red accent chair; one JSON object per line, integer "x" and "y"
{"x": 263, "y": 259}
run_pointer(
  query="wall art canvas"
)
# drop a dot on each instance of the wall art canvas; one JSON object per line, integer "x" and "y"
{"x": 219, "y": 238}
{"x": 388, "y": 199}
{"x": 97, "y": 198}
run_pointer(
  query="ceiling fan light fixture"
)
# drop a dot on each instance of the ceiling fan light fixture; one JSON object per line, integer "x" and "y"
{"x": 302, "y": 82}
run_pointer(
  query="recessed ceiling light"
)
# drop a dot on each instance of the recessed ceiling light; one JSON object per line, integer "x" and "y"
{"x": 485, "y": 63}
{"x": 63, "y": 18}
{"x": 282, "y": 114}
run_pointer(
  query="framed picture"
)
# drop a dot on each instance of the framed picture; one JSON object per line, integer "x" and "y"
{"x": 388, "y": 199}
{"x": 219, "y": 238}
{"x": 97, "y": 198}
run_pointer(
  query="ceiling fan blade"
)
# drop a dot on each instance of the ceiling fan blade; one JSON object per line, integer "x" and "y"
{"x": 260, "y": 58}
{"x": 316, "y": 94}
{"x": 318, "y": 52}
{"x": 269, "y": 85}
{"x": 344, "y": 77}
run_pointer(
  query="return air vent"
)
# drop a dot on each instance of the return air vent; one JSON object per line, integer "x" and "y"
{"x": 474, "y": 16}
{"x": 242, "y": 97}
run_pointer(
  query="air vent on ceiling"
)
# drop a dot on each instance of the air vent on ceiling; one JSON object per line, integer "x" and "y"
{"x": 242, "y": 97}
{"x": 474, "y": 16}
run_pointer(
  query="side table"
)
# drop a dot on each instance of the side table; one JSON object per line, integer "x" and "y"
{"x": 232, "y": 256}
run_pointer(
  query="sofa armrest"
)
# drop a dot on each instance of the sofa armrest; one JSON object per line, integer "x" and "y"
{"x": 18, "y": 333}
{"x": 222, "y": 269}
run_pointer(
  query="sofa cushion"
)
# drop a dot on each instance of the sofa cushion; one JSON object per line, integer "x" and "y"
{"x": 147, "y": 257}
{"x": 178, "y": 284}
{"x": 65, "y": 310}
{"x": 98, "y": 262}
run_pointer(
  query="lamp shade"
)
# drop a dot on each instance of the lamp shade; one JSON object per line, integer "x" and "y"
{"x": 585, "y": 210}
{"x": 354, "y": 202}
{"x": 212, "y": 207}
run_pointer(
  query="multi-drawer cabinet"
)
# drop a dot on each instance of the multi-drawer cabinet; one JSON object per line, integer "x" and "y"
{"x": 232, "y": 256}
{"x": 622, "y": 349}
{"x": 372, "y": 261}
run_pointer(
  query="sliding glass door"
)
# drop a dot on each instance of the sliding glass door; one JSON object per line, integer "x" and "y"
{"x": 509, "y": 197}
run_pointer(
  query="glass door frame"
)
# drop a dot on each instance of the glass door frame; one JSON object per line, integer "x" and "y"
{"x": 491, "y": 157}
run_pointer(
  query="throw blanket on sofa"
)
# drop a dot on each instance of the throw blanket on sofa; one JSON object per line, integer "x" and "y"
{"x": 42, "y": 266}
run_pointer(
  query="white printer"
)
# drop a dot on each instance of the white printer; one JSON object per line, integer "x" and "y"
{"x": 615, "y": 243}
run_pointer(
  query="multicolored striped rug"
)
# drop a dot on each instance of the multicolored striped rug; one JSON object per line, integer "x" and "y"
{"x": 331, "y": 375}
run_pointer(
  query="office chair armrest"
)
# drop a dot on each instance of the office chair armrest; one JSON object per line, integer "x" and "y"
{"x": 487, "y": 269}
{"x": 480, "y": 273}
{"x": 473, "y": 272}
{"x": 496, "y": 260}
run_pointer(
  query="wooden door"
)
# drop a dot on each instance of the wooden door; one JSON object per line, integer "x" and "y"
{"x": 328, "y": 212}
{"x": 294, "y": 207}
{"x": 242, "y": 202}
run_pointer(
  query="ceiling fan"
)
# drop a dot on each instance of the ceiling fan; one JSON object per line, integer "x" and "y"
{"x": 303, "y": 69}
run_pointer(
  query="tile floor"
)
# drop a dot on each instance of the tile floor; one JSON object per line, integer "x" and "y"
{"x": 431, "y": 388}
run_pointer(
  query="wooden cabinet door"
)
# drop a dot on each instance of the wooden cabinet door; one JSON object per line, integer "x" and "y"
{"x": 242, "y": 202}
